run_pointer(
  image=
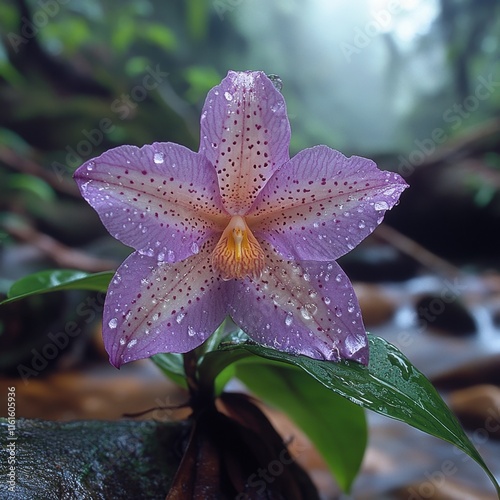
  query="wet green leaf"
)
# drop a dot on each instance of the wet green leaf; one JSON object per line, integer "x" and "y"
{"x": 172, "y": 365}
{"x": 58, "y": 279}
{"x": 390, "y": 385}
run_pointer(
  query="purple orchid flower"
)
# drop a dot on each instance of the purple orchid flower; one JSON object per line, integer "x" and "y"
{"x": 236, "y": 229}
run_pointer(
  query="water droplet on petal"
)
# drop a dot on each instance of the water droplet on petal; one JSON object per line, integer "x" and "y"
{"x": 381, "y": 205}
{"x": 113, "y": 322}
{"x": 90, "y": 165}
{"x": 122, "y": 341}
{"x": 338, "y": 312}
{"x": 327, "y": 300}
{"x": 362, "y": 224}
{"x": 161, "y": 257}
{"x": 131, "y": 344}
{"x": 194, "y": 247}
{"x": 288, "y": 319}
{"x": 228, "y": 96}
{"x": 158, "y": 158}
{"x": 171, "y": 256}
{"x": 180, "y": 317}
{"x": 338, "y": 278}
{"x": 305, "y": 313}
{"x": 350, "y": 307}
{"x": 191, "y": 331}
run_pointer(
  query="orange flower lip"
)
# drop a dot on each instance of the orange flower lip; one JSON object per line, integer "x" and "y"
{"x": 238, "y": 254}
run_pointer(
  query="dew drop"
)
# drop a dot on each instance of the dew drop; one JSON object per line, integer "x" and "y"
{"x": 381, "y": 205}
{"x": 228, "y": 96}
{"x": 350, "y": 307}
{"x": 171, "y": 256}
{"x": 122, "y": 341}
{"x": 288, "y": 319}
{"x": 158, "y": 158}
{"x": 194, "y": 247}
{"x": 191, "y": 331}
{"x": 327, "y": 300}
{"x": 131, "y": 344}
{"x": 338, "y": 312}
{"x": 161, "y": 257}
{"x": 338, "y": 278}
{"x": 113, "y": 322}
{"x": 90, "y": 165}
{"x": 362, "y": 224}
{"x": 305, "y": 313}
{"x": 155, "y": 317}
{"x": 180, "y": 317}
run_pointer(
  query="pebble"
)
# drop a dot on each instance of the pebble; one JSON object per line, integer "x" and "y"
{"x": 480, "y": 371}
{"x": 377, "y": 305}
{"x": 478, "y": 407}
{"x": 445, "y": 317}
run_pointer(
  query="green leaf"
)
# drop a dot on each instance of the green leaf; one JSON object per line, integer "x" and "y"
{"x": 57, "y": 279}
{"x": 390, "y": 385}
{"x": 172, "y": 365}
{"x": 336, "y": 426}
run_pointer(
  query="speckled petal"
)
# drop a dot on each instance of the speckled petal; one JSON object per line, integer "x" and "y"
{"x": 245, "y": 134}
{"x": 321, "y": 204}
{"x": 303, "y": 308}
{"x": 152, "y": 308}
{"x": 162, "y": 199}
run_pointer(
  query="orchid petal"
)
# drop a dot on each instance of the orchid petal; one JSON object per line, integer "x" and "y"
{"x": 162, "y": 199}
{"x": 152, "y": 308}
{"x": 321, "y": 204}
{"x": 245, "y": 134}
{"x": 308, "y": 309}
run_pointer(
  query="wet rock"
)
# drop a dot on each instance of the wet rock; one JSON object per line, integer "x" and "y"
{"x": 478, "y": 408}
{"x": 377, "y": 305}
{"x": 91, "y": 459}
{"x": 445, "y": 316}
{"x": 481, "y": 371}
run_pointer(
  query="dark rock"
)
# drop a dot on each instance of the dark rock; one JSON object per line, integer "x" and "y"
{"x": 444, "y": 316}
{"x": 89, "y": 459}
{"x": 481, "y": 371}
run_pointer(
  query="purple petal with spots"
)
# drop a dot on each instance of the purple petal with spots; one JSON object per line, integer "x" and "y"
{"x": 304, "y": 308}
{"x": 156, "y": 307}
{"x": 321, "y": 204}
{"x": 162, "y": 199}
{"x": 245, "y": 134}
